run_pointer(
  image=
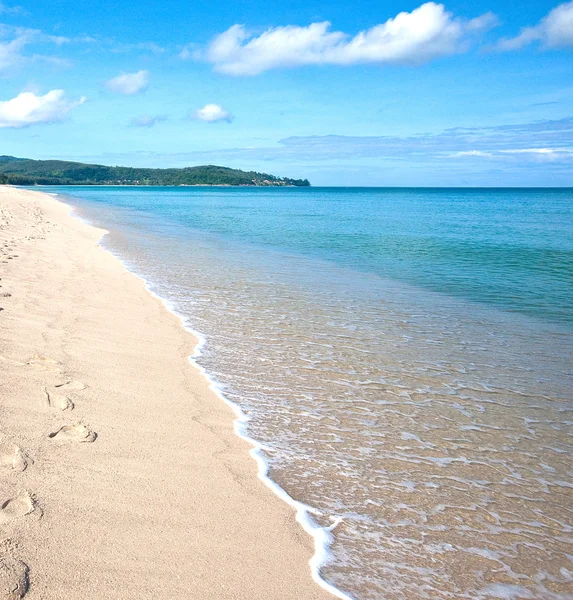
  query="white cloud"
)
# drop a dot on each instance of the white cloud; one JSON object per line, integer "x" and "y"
{"x": 555, "y": 30}
{"x": 129, "y": 84}
{"x": 427, "y": 32}
{"x": 211, "y": 113}
{"x": 535, "y": 154}
{"x": 146, "y": 120}
{"x": 472, "y": 153}
{"x": 29, "y": 109}
{"x": 543, "y": 151}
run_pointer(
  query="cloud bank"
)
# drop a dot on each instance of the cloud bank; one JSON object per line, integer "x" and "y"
{"x": 536, "y": 141}
{"x": 129, "y": 84}
{"x": 555, "y": 30}
{"x": 529, "y": 153}
{"x": 211, "y": 113}
{"x": 427, "y": 32}
{"x": 28, "y": 109}
{"x": 548, "y": 142}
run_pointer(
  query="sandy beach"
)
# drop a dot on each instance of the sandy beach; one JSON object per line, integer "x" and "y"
{"x": 120, "y": 473}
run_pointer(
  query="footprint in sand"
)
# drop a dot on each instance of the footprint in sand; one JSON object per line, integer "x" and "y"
{"x": 19, "y": 506}
{"x": 58, "y": 401}
{"x": 13, "y": 578}
{"x": 71, "y": 385}
{"x": 12, "y": 458}
{"x": 74, "y": 433}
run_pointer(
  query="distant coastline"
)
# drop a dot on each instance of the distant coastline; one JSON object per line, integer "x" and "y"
{"x": 28, "y": 172}
{"x": 139, "y": 185}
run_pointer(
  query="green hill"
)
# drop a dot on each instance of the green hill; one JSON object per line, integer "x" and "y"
{"x": 24, "y": 171}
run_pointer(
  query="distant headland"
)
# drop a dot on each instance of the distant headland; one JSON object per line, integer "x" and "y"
{"x": 25, "y": 171}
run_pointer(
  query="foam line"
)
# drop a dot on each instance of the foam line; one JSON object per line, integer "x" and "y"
{"x": 322, "y": 535}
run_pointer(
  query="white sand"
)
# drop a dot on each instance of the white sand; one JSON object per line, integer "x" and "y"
{"x": 120, "y": 474}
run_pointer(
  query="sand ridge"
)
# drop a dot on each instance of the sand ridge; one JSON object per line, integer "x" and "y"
{"x": 162, "y": 501}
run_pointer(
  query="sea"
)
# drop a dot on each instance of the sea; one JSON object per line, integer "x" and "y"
{"x": 401, "y": 358}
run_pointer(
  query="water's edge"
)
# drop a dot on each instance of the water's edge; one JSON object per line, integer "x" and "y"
{"x": 321, "y": 535}
{"x": 419, "y": 434}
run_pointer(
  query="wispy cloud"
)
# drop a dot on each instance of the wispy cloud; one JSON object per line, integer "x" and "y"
{"x": 543, "y": 152}
{"x": 472, "y": 153}
{"x": 547, "y": 103}
{"x": 541, "y": 137}
{"x": 152, "y": 47}
{"x": 15, "y": 40}
{"x": 517, "y": 148}
{"x": 30, "y": 109}
{"x": 426, "y": 33}
{"x": 111, "y": 44}
{"x": 11, "y": 10}
{"x": 190, "y": 51}
{"x": 555, "y": 30}
{"x": 129, "y": 84}
{"x": 147, "y": 121}
{"x": 11, "y": 50}
{"x": 212, "y": 113}
{"x": 526, "y": 155}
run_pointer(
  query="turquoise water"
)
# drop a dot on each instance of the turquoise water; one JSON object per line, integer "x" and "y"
{"x": 403, "y": 356}
{"x": 508, "y": 247}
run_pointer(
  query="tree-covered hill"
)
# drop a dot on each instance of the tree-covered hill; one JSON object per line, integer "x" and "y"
{"x": 24, "y": 171}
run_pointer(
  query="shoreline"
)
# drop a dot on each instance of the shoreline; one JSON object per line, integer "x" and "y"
{"x": 267, "y": 555}
{"x": 303, "y": 512}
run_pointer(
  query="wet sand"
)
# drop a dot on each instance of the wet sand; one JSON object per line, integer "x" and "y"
{"x": 120, "y": 474}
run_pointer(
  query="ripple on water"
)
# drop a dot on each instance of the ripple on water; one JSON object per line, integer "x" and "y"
{"x": 443, "y": 459}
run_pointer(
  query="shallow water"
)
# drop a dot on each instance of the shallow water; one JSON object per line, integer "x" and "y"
{"x": 404, "y": 357}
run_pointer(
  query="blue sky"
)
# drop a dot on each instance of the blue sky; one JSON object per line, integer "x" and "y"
{"x": 364, "y": 93}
